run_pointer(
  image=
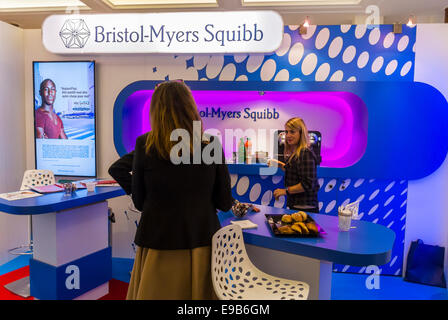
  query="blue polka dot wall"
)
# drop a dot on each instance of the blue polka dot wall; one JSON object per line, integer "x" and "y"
{"x": 325, "y": 53}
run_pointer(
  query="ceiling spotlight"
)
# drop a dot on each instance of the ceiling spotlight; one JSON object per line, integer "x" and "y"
{"x": 306, "y": 23}
{"x": 303, "y": 29}
{"x": 411, "y": 21}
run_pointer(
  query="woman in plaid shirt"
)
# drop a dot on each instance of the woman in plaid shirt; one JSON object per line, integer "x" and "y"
{"x": 301, "y": 184}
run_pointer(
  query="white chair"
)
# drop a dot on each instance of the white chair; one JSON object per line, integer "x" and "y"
{"x": 32, "y": 178}
{"x": 235, "y": 277}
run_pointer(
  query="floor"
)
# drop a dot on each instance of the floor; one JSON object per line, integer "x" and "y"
{"x": 344, "y": 286}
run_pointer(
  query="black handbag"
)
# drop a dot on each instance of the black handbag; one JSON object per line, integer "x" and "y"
{"x": 425, "y": 264}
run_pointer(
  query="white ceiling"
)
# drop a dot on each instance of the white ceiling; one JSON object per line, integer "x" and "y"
{"x": 29, "y": 14}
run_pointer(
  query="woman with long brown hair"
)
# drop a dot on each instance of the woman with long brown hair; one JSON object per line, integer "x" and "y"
{"x": 178, "y": 203}
{"x": 301, "y": 184}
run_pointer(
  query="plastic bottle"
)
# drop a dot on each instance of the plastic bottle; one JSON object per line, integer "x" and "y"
{"x": 241, "y": 151}
{"x": 248, "y": 147}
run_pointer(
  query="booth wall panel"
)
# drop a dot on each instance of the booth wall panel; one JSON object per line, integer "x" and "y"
{"x": 13, "y": 229}
{"x": 427, "y": 217}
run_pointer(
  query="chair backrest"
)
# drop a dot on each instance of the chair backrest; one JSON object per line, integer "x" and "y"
{"x": 37, "y": 178}
{"x": 234, "y": 276}
{"x": 230, "y": 262}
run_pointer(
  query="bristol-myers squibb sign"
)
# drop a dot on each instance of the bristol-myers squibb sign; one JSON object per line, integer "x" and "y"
{"x": 179, "y": 32}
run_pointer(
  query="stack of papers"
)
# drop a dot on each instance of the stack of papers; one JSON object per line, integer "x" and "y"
{"x": 102, "y": 183}
{"x": 107, "y": 183}
{"x": 47, "y": 189}
{"x": 245, "y": 224}
{"x": 17, "y": 195}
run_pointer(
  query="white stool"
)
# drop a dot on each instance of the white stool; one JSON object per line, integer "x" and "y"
{"x": 30, "y": 178}
{"x": 235, "y": 277}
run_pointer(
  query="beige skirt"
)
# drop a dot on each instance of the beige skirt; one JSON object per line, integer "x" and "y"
{"x": 171, "y": 275}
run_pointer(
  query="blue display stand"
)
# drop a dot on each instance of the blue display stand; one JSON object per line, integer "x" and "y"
{"x": 72, "y": 258}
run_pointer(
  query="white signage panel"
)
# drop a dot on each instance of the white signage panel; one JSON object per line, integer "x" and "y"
{"x": 177, "y": 32}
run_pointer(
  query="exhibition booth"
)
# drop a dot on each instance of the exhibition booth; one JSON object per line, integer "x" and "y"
{"x": 376, "y": 100}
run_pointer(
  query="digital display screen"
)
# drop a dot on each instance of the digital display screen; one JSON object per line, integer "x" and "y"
{"x": 64, "y": 117}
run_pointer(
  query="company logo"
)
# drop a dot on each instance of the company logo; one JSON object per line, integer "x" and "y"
{"x": 74, "y": 33}
{"x": 170, "y": 32}
{"x": 267, "y": 113}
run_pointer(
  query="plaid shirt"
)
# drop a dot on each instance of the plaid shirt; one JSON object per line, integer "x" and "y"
{"x": 303, "y": 171}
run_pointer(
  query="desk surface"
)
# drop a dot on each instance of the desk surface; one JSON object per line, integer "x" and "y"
{"x": 59, "y": 201}
{"x": 367, "y": 244}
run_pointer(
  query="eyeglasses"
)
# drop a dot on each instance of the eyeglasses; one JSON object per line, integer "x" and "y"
{"x": 175, "y": 80}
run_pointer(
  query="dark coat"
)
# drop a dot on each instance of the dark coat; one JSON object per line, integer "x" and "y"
{"x": 121, "y": 169}
{"x": 178, "y": 202}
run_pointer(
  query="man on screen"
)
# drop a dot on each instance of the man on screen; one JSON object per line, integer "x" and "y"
{"x": 48, "y": 123}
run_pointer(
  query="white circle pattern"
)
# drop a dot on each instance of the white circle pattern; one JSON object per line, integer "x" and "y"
{"x": 377, "y": 64}
{"x": 389, "y": 40}
{"x": 406, "y": 68}
{"x": 330, "y": 206}
{"x": 268, "y": 70}
{"x": 322, "y": 38}
{"x": 391, "y": 67}
{"x": 363, "y": 59}
{"x": 255, "y": 192}
{"x": 214, "y": 66}
{"x": 309, "y": 64}
{"x": 228, "y": 73}
{"x": 337, "y": 76}
{"x": 374, "y": 194}
{"x": 322, "y": 72}
{"x": 349, "y": 54}
{"x": 374, "y": 36}
{"x": 403, "y": 43}
{"x": 335, "y": 47}
{"x": 254, "y": 62}
{"x": 345, "y": 28}
{"x": 282, "y": 75}
{"x": 360, "y": 31}
{"x": 296, "y": 53}
{"x": 267, "y": 197}
{"x": 242, "y": 186}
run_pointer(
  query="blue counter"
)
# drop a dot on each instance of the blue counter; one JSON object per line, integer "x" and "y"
{"x": 58, "y": 201}
{"x": 311, "y": 259}
{"x": 72, "y": 258}
{"x": 365, "y": 244}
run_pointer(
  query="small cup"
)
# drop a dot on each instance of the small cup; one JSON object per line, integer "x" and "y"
{"x": 345, "y": 220}
{"x": 68, "y": 188}
{"x": 90, "y": 186}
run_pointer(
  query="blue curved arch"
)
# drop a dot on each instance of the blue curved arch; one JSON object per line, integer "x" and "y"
{"x": 407, "y": 123}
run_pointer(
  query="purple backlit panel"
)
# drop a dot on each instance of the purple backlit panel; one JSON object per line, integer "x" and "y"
{"x": 341, "y": 117}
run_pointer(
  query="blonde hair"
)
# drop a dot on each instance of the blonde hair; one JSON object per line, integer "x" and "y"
{"x": 304, "y": 141}
{"x": 172, "y": 107}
